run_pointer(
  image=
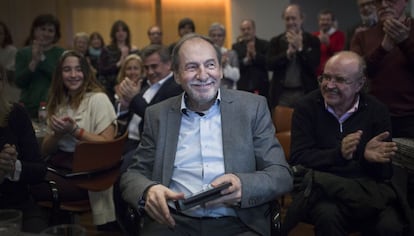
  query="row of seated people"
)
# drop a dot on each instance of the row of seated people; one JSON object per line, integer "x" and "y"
{"x": 198, "y": 119}
{"x": 325, "y": 77}
{"x": 79, "y": 110}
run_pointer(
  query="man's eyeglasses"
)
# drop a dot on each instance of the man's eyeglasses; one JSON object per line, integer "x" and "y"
{"x": 216, "y": 35}
{"x": 334, "y": 79}
{"x": 155, "y": 33}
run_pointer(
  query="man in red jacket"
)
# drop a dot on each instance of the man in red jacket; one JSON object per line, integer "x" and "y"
{"x": 332, "y": 39}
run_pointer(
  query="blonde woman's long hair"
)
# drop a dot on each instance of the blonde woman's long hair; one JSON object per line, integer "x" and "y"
{"x": 5, "y": 106}
{"x": 59, "y": 94}
{"x": 121, "y": 75}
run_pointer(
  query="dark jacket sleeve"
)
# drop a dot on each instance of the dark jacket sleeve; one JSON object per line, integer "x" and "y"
{"x": 138, "y": 105}
{"x": 306, "y": 148}
{"x": 33, "y": 166}
{"x": 277, "y": 56}
{"x": 309, "y": 59}
{"x": 317, "y": 137}
{"x": 107, "y": 61}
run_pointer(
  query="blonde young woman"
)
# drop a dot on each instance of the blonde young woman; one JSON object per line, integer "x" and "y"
{"x": 79, "y": 110}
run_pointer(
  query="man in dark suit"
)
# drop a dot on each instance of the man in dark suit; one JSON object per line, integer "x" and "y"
{"x": 206, "y": 137}
{"x": 251, "y": 52}
{"x": 293, "y": 57}
{"x": 158, "y": 86}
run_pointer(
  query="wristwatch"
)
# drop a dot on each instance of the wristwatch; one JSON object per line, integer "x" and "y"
{"x": 141, "y": 205}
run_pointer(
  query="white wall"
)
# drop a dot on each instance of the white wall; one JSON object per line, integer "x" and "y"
{"x": 266, "y": 13}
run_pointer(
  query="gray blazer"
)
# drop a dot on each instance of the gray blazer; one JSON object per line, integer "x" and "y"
{"x": 250, "y": 148}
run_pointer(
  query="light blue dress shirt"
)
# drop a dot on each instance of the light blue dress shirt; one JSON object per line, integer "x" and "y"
{"x": 199, "y": 158}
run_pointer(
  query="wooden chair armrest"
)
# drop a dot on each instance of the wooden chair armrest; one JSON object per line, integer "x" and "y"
{"x": 82, "y": 174}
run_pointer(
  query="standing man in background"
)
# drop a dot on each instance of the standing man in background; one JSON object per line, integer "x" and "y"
{"x": 332, "y": 39}
{"x": 293, "y": 57}
{"x": 368, "y": 14}
{"x": 231, "y": 73}
{"x": 251, "y": 52}
{"x": 185, "y": 26}
{"x": 388, "y": 49}
{"x": 155, "y": 35}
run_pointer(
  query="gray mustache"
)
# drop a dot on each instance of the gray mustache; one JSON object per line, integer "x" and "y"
{"x": 331, "y": 90}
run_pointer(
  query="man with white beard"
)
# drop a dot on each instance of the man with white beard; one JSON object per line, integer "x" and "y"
{"x": 368, "y": 15}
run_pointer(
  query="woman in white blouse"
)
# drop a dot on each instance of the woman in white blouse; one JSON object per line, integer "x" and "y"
{"x": 79, "y": 110}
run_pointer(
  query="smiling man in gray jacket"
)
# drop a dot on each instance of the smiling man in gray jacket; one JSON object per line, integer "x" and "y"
{"x": 205, "y": 137}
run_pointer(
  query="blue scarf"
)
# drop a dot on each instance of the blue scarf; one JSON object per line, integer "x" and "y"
{"x": 94, "y": 52}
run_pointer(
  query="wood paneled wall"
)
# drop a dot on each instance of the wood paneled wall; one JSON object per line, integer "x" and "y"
{"x": 98, "y": 15}
{"x": 19, "y": 14}
{"x": 203, "y": 12}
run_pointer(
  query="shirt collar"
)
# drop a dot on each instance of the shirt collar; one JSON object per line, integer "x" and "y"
{"x": 347, "y": 114}
{"x": 185, "y": 110}
{"x": 160, "y": 82}
{"x": 331, "y": 31}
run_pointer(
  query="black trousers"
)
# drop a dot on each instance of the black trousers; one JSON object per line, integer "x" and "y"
{"x": 330, "y": 221}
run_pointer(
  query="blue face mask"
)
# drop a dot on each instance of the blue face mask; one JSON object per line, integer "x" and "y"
{"x": 94, "y": 51}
